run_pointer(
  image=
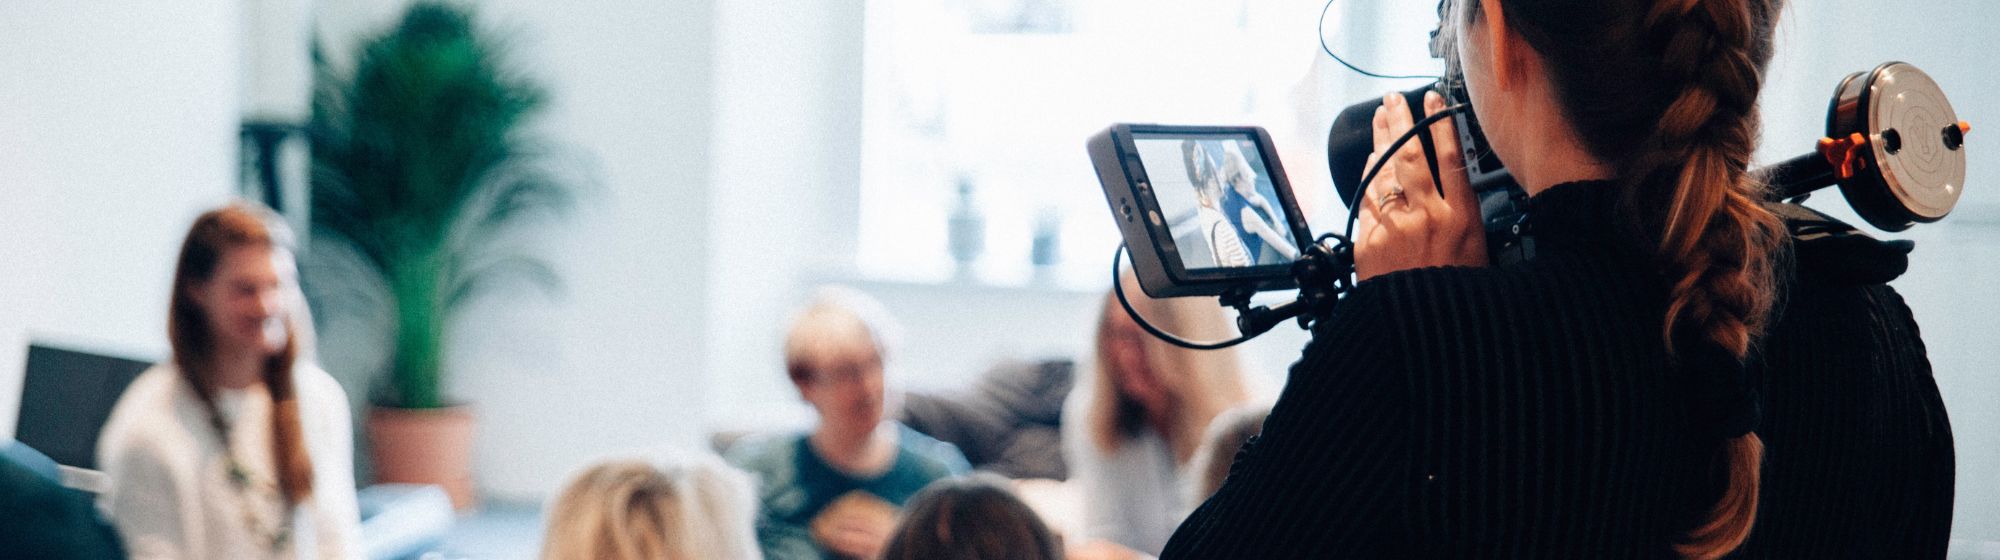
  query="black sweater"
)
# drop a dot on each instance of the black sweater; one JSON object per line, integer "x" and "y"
{"x": 1859, "y": 460}
{"x": 1528, "y": 410}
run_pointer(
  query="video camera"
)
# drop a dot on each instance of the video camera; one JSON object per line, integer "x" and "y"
{"x": 1207, "y": 210}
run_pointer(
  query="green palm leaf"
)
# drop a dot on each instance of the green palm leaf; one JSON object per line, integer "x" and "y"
{"x": 420, "y": 167}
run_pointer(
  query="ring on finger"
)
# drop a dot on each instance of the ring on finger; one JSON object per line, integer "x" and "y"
{"x": 1395, "y": 192}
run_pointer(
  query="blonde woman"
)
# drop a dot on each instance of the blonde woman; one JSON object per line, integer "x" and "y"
{"x": 633, "y": 509}
{"x": 1141, "y": 414}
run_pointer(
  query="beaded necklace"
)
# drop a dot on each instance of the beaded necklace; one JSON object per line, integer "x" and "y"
{"x": 251, "y": 490}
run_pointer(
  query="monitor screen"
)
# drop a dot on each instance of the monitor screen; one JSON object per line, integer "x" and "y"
{"x": 1215, "y": 192}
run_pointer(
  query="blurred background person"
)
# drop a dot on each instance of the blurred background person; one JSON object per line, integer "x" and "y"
{"x": 834, "y": 492}
{"x": 1226, "y": 435}
{"x": 1136, "y": 422}
{"x": 633, "y": 509}
{"x": 234, "y": 448}
{"x": 971, "y": 518}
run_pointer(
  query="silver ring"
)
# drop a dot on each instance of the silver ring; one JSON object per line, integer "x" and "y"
{"x": 1395, "y": 192}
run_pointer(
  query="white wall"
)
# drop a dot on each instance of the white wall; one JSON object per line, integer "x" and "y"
{"x": 1948, "y": 286}
{"x": 117, "y": 127}
{"x": 786, "y": 175}
{"x": 615, "y": 364}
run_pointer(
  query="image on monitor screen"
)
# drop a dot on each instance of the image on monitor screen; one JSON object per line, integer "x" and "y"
{"x": 1215, "y": 193}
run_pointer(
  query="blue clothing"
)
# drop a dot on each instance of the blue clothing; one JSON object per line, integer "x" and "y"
{"x": 795, "y": 484}
{"x": 1232, "y": 209}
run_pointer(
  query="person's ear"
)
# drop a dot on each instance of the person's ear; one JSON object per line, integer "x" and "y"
{"x": 1508, "y": 53}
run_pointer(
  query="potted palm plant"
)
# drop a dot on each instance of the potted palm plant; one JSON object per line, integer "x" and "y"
{"x": 421, "y": 172}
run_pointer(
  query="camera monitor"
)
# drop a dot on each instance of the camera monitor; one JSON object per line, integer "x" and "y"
{"x": 1203, "y": 209}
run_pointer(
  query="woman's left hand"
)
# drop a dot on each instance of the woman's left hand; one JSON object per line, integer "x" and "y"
{"x": 1405, "y": 223}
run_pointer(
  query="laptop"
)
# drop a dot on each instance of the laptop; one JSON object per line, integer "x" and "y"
{"x": 66, "y": 397}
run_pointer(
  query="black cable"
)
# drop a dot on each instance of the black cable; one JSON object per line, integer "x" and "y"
{"x": 1118, "y": 287}
{"x": 1343, "y": 62}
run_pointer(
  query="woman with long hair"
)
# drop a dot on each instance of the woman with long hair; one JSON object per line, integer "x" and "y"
{"x": 234, "y": 448}
{"x": 1589, "y": 401}
{"x": 1131, "y": 428}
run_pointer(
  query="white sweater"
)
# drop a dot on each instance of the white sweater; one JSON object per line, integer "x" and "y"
{"x": 169, "y": 491}
{"x": 1133, "y": 496}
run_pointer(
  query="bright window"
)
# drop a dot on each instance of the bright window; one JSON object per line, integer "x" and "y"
{"x": 996, "y": 97}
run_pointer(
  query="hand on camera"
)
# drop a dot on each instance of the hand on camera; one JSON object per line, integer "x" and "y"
{"x": 1404, "y": 222}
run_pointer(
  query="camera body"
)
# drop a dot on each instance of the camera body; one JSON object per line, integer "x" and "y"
{"x": 1204, "y": 210}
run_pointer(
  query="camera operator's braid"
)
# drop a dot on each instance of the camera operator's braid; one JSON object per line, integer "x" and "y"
{"x": 1716, "y": 241}
{"x": 1715, "y": 238}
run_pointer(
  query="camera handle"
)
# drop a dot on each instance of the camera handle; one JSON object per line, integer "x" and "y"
{"x": 1324, "y": 272}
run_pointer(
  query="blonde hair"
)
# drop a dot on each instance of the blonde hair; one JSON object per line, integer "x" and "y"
{"x": 837, "y": 321}
{"x": 1200, "y": 384}
{"x": 632, "y": 509}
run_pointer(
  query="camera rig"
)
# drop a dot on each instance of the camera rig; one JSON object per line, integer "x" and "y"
{"x": 1893, "y": 146}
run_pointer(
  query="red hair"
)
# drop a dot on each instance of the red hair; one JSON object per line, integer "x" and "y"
{"x": 213, "y": 235}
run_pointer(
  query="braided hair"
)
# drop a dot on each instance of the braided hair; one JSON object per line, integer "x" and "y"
{"x": 1666, "y": 92}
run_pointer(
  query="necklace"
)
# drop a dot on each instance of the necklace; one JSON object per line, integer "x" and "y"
{"x": 274, "y": 529}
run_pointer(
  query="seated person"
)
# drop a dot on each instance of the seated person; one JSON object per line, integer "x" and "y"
{"x": 634, "y": 509}
{"x": 971, "y": 518}
{"x": 834, "y": 493}
{"x": 235, "y": 447}
{"x": 46, "y": 520}
{"x": 1132, "y": 425}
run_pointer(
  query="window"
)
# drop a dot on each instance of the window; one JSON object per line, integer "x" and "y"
{"x": 976, "y": 114}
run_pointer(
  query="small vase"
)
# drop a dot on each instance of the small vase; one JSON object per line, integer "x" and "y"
{"x": 1046, "y": 251}
{"x": 425, "y": 446}
{"x": 967, "y": 234}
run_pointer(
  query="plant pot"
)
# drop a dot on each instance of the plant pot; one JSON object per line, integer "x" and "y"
{"x": 424, "y": 446}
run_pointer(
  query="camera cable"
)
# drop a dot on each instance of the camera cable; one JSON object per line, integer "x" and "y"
{"x": 1321, "y": 264}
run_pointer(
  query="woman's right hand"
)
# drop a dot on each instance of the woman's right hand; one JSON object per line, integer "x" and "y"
{"x": 1405, "y": 223}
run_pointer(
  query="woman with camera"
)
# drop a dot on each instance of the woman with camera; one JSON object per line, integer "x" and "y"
{"x": 1594, "y": 400}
